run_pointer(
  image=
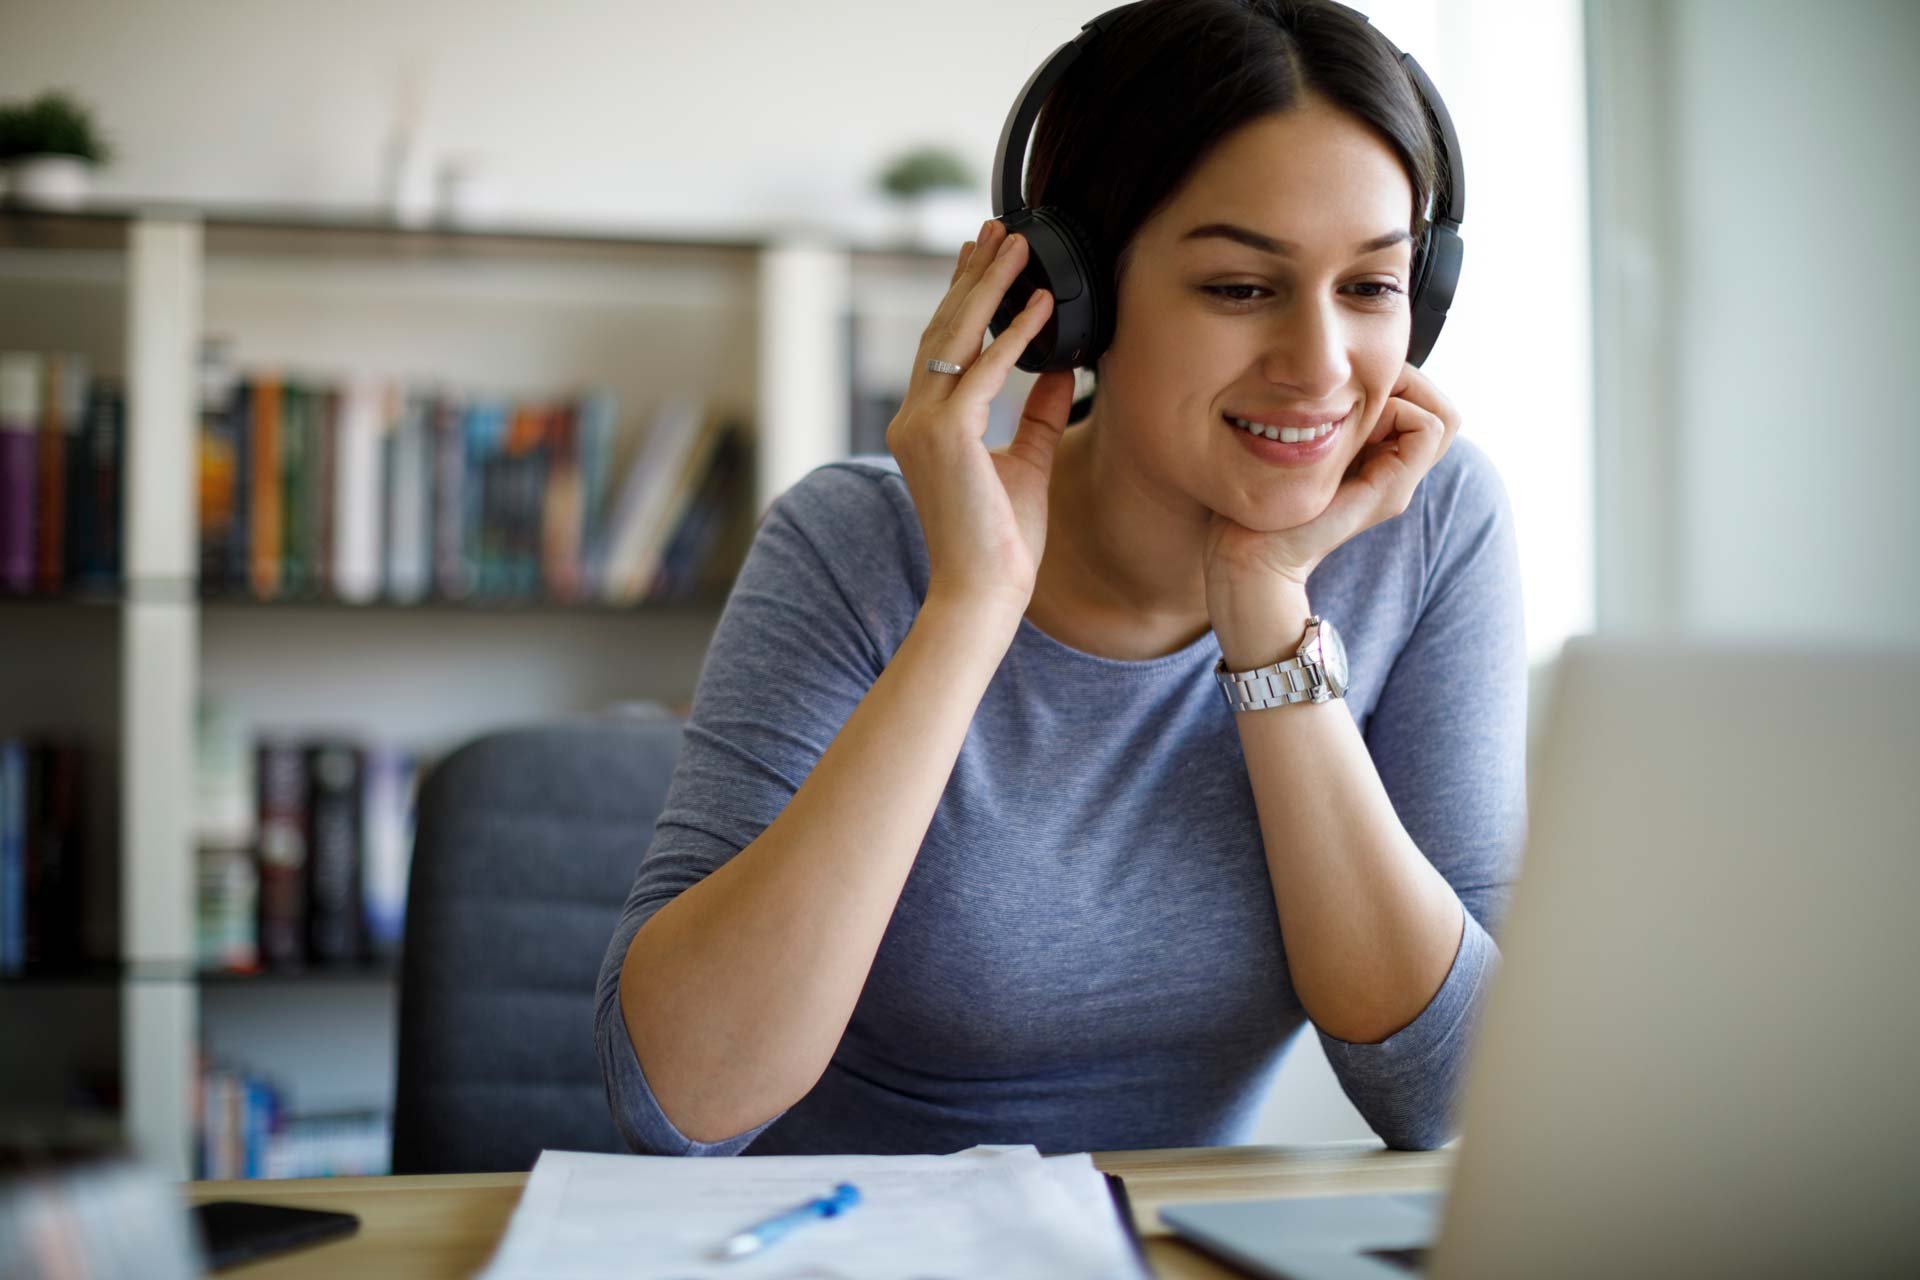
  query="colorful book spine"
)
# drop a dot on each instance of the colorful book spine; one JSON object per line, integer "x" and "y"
{"x": 319, "y": 490}
{"x": 559, "y": 508}
{"x": 294, "y": 452}
{"x": 263, "y": 474}
{"x": 391, "y": 777}
{"x": 219, "y": 464}
{"x": 99, "y": 494}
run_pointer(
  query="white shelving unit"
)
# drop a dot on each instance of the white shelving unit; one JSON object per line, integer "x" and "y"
{"x": 758, "y": 325}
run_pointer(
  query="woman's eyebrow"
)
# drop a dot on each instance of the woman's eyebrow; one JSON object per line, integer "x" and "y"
{"x": 1284, "y": 248}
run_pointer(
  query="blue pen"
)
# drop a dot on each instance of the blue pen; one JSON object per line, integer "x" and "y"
{"x": 763, "y": 1233}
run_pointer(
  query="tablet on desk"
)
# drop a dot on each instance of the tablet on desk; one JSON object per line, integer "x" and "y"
{"x": 235, "y": 1231}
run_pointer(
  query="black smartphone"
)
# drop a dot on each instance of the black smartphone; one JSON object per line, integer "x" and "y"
{"x": 235, "y": 1231}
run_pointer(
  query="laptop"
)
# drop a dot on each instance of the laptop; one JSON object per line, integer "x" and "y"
{"x": 1697, "y": 1056}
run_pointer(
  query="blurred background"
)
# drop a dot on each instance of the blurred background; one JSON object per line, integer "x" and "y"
{"x": 376, "y": 376}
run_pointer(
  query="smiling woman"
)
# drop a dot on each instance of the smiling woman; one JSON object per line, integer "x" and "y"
{"x": 964, "y": 844}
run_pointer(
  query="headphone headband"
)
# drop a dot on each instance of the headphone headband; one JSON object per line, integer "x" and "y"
{"x": 1010, "y": 156}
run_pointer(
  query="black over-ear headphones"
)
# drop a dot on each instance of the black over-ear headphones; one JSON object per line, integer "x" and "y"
{"x": 1060, "y": 256}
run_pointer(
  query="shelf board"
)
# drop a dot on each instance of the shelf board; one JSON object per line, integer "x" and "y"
{"x": 102, "y": 225}
{"x": 180, "y": 589}
{"x": 108, "y": 972}
{"x": 369, "y": 972}
{"x": 89, "y": 596}
{"x": 704, "y": 603}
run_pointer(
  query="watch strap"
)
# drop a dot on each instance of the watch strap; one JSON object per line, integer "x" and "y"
{"x": 1277, "y": 685}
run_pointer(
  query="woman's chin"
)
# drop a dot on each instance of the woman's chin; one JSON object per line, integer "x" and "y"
{"x": 1275, "y": 512}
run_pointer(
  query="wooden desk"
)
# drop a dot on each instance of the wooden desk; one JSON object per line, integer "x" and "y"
{"x": 438, "y": 1226}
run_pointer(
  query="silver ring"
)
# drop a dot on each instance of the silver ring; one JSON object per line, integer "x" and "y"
{"x": 944, "y": 366}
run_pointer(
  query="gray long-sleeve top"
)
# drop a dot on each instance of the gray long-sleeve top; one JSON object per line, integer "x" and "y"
{"x": 1086, "y": 954}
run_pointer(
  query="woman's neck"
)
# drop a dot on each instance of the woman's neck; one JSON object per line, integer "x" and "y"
{"x": 1122, "y": 574}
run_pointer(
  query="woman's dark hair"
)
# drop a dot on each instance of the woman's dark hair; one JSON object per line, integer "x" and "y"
{"x": 1153, "y": 95}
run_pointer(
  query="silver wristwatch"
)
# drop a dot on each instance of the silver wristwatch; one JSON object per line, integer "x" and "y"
{"x": 1317, "y": 672}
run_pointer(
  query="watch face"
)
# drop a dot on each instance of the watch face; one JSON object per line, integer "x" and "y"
{"x": 1333, "y": 656}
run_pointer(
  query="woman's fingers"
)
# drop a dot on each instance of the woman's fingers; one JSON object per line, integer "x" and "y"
{"x": 971, "y": 268}
{"x": 991, "y": 286}
{"x": 959, "y": 326}
{"x": 1416, "y": 439}
{"x": 989, "y": 372}
{"x": 966, "y": 252}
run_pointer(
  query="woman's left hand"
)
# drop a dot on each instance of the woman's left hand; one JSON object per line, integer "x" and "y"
{"x": 1413, "y": 431}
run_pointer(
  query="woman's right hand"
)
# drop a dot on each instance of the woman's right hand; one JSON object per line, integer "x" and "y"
{"x": 984, "y": 512}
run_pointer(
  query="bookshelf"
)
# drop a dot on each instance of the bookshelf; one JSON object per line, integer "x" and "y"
{"x": 785, "y": 328}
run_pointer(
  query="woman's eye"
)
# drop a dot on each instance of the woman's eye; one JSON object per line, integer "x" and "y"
{"x": 1227, "y": 292}
{"x": 1387, "y": 290}
{"x": 1236, "y": 292}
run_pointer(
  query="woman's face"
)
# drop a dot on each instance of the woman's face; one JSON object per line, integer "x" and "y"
{"x": 1284, "y": 314}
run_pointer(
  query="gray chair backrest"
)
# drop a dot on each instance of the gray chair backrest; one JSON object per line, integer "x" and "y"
{"x": 525, "y": 845}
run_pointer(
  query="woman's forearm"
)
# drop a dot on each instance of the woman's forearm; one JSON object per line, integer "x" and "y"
{"x": 736, "y": 993}
{"x": 1371, "y": 927}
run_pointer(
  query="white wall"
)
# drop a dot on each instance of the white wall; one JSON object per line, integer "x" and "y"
{"x": 726, "y": 112}
{"x": 1758, "y": 269}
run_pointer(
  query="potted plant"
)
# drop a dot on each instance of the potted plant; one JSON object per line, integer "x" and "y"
{"x": 49, "y": 147}
{"x": 934, "y": 189}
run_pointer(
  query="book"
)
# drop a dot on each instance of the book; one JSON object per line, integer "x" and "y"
{"x": 95, "y": 551}
{"x": 596, "y": 420}
{"x": 560, "y": 508}
{"x": 293, "y": 456}
{"x": 680, "y": 494}
{"x": 281, "y": 770}
{"x": 323, "y": 424}
{"x": 63, "y": 407}
{"x": 263, "y": 475}
{"x": 227, "y": 903}
{"x": 333, "y": 853}
{"x": 703, "y": 530}
{"x": 646, "y": 493}
{"x": 409, "y": 505}
{"x": 57, "y": 862}
{"x": 20, "y": 374}
{"x": 356, "y": 501}
{"x": 13, "y": 837}
{"x": 390, "y": 783}
{"x": 219, "y": 456}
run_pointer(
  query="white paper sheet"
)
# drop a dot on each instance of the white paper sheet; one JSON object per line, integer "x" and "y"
{"x": 1003, "y": 1212}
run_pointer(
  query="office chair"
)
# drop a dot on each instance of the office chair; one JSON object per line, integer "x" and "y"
{"x": 525, "y": 845}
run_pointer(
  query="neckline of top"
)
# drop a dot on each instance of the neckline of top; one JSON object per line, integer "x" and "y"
{"x": 1179, "y": 657}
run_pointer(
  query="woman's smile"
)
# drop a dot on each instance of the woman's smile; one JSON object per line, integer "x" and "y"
{"x": 1302, "y": 451}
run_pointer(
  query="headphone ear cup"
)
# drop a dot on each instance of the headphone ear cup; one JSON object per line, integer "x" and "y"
{"x": 1059, "y": 260}
{"x": 1436, "y": 272}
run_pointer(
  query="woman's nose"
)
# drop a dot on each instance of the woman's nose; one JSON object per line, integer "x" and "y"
{"x": 1308, "y": 355}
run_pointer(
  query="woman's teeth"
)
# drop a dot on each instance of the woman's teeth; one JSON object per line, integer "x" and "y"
{"x": 1286, "y": 435}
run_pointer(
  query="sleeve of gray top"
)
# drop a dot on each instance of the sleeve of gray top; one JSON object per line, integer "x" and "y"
{"x": 1448, "y": 737}
{"x": 798, "y": 644}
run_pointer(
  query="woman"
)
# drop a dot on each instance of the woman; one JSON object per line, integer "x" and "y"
{"x": 964, "y": 844}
